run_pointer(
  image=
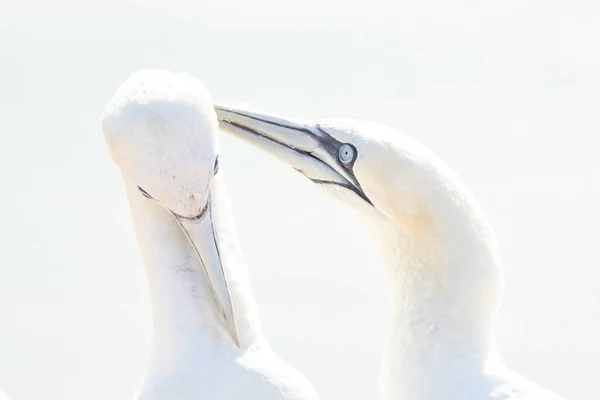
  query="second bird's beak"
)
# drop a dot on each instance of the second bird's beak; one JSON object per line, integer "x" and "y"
{"x": 305, "y": 146}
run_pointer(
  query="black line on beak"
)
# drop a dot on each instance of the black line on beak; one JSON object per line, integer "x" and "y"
{"x": 218, "y": 250}
{"x": 331, "y": 144}
{"x": 198, "y": 216}
{"x": 295, "y": 128}
{"x": 145, "y": 194}
{"x": 354, "y": 189}
{"x": 216, "y": 167}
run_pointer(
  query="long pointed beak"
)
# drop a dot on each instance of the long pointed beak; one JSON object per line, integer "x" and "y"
{"x": 203, "y": 235}
{"x": 303, "y": 145}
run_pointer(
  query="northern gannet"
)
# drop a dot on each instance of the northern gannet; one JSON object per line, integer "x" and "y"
{"x": 207, "y": 341}
{"x": 438, "y": 248}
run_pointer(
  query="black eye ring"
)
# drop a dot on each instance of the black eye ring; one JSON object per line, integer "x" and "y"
{"x": 145, "y": 194}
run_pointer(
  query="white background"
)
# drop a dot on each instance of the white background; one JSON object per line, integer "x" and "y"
{"x": 507, "y": 93}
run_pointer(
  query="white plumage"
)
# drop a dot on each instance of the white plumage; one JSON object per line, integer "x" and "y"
{"x": 437, "y": 247}
{"x": 162, "y": 132}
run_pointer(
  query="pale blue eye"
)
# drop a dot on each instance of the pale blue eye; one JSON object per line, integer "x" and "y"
{"x": 346, "y": 154}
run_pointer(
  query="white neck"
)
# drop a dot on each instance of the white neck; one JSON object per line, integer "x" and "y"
{"x": 184, "y": 319}
{"x": 445, "y": 287}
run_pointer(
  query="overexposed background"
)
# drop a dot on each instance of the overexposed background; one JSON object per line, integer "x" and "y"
{"x": 508, "y": 93}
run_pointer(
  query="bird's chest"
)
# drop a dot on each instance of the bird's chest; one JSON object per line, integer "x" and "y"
{"x": 211, "y": 378}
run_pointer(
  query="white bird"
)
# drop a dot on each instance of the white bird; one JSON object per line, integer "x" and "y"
{"x": 162, "y": 132}
{"x": 437, "y": 246}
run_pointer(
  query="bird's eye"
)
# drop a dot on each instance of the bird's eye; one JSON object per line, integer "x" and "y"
{"x": 216, "y": 167}
{"x": 346, "y": 154}
{"x": 144, "y": 193}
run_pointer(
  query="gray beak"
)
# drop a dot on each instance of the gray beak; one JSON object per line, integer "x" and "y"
{"x": 202, "y": 232}
{"x": 203, "y": 236}
{"x": 303, "y": 145}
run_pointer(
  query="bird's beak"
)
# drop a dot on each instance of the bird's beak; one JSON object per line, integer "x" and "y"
{"x": 305, "y": 146}
{"x": 202, "y": 232}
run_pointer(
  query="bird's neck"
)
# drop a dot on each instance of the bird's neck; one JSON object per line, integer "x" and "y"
{"x": 185, "y": 320}
{"x": 445, "y": 287}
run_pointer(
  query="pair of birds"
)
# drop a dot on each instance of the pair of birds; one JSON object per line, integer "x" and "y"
{"x": 436, "y": 244}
